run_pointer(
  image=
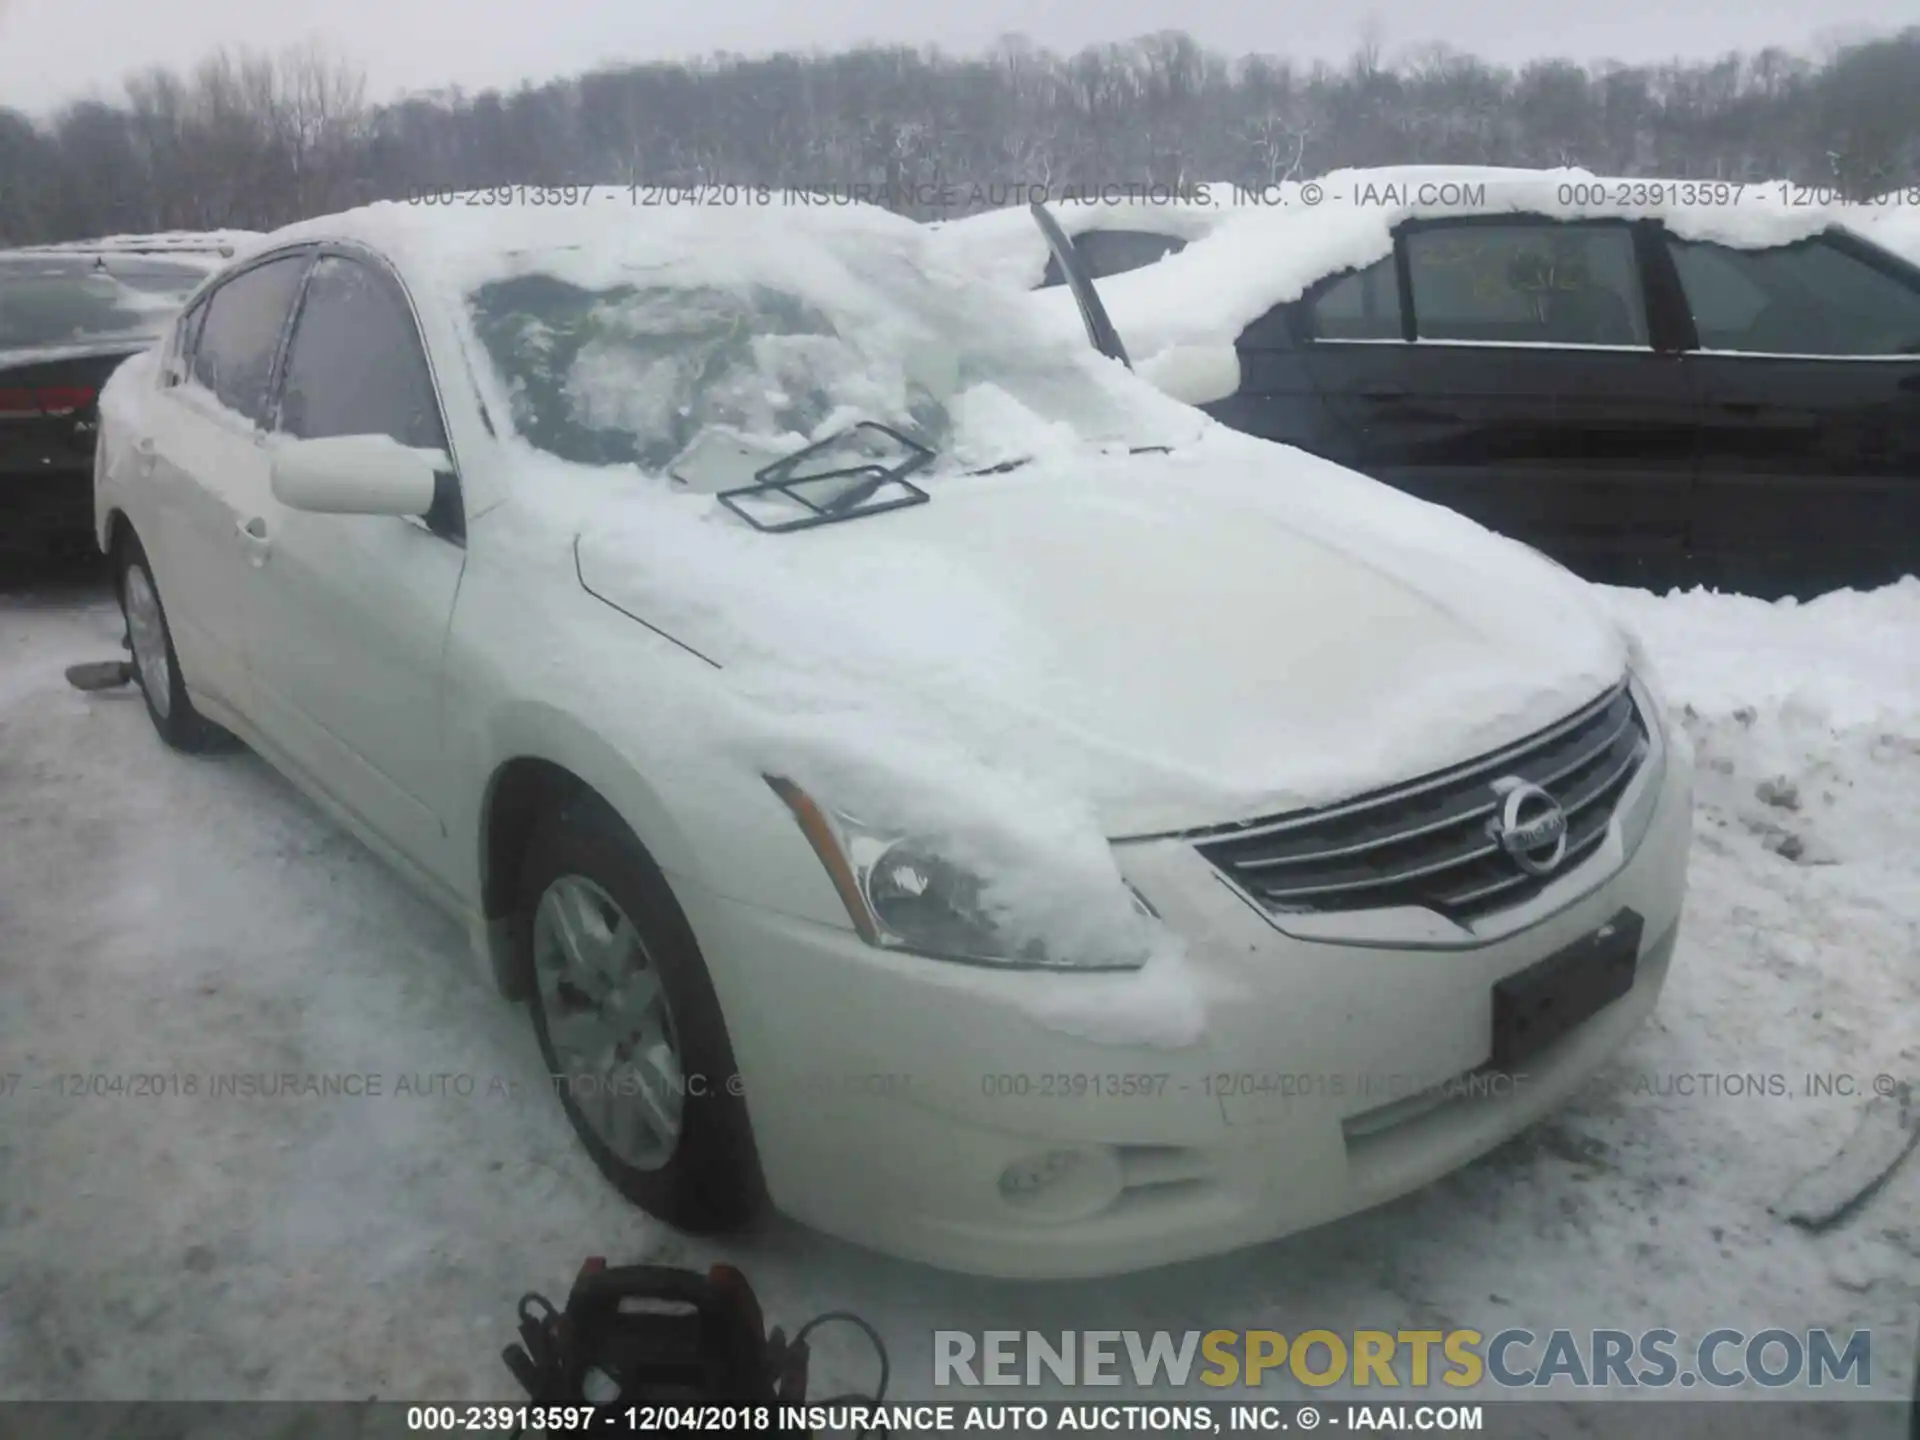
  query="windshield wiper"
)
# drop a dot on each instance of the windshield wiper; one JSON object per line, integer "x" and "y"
{"x": 781, "y": 482}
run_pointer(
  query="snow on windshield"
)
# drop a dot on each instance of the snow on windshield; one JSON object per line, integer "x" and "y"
{"x": 628, "y": 359}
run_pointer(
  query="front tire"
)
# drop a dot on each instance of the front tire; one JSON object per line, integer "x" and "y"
{"x": 629, "y": 1025}
{"x": 156, "y": 665}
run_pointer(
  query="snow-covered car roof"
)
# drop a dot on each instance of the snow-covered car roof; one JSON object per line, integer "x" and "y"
{"x": 1268, "y": 253}
{"x": 475, "y": 235}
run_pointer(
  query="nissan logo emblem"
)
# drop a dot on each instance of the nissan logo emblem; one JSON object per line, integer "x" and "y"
{"x": 1531, "y": 827}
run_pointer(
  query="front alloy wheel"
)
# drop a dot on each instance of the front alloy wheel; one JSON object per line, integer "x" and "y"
{"x": 609, "y": 1021}
{"x": 629, "y": 1024}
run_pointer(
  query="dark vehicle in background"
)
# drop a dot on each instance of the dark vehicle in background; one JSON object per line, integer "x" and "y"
{"x": 69, "y": 315}
{"x": 1646, "y": 409}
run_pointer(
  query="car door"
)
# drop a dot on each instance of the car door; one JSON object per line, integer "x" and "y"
{"x": 1531, "y": 386}
{"x": 1286, "y": 353}
{"x": 1808, "y": 368}
{"x": 203, "y": 467}
{"x": 348, "y": 618}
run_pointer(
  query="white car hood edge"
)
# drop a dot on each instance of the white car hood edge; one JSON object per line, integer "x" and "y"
{"x": 1189, "y": 641}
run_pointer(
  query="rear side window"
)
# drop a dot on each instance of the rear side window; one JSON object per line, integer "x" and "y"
{"x": 1811, "y": 298}
{"x": 234, "y": 351}
{"x": 1360, "y": 305}
{"x": 1543, "y": 283}
{"x": 356, "y": 365}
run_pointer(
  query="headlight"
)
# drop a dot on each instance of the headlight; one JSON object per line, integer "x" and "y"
{"x": 902, "y": 894}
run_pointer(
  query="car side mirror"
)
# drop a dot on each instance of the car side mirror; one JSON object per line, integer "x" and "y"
{"x": 355, "y": 475}
{"x": 1193, "y": 374}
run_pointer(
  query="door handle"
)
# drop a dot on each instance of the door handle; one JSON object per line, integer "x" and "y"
{"x": 254, "y": 533}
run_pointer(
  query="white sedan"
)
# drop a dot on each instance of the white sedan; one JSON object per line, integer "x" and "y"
{"x": 917, "y": 775}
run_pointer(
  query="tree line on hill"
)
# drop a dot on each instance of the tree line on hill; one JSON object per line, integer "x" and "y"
{"x": 252, "y": 141}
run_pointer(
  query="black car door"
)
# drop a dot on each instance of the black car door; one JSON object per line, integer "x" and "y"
{"x": 1808, "y": 368}
{"x": 1530, "y": 385}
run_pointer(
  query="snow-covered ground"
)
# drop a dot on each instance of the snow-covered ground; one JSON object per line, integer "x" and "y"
{"x": 195, "y": 918}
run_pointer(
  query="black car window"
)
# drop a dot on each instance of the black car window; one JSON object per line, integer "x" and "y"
{"x": 234, "y": 350}
{"x": 1810, "y": 298}
{"x": 1545, "y": 282}
{"x": 1360, "y": 305}
{"x": 356, "y": 366}
{"x": 1114, "y": 252}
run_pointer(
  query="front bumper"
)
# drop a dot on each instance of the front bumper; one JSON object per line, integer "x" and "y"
{"x": 920, "y": 1108}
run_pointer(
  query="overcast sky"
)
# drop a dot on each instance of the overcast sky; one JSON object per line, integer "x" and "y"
{"x": 52, "y": 51}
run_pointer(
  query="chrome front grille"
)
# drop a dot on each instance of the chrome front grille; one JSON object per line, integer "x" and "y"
{"x": 1433, "y": 843}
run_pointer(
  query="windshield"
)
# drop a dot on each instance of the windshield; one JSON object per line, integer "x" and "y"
{"x": 637, "y": 372}
{"x": 51, "y": 301}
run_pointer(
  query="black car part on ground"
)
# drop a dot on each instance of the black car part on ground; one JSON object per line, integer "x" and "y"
{"x": 652, "y": 1335}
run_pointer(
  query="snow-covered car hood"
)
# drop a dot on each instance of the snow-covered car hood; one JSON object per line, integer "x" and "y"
{"x": 1232, "y": 630}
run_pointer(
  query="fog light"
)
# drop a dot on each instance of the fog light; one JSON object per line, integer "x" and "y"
{"x": 1063, "y": 1184}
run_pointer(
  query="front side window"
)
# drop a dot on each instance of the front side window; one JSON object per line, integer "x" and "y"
{"x": 1360, "y": 305}
{"x": 1541, "y": 283}
{"x": 1810, "y": 298}
{"x": 356, "y": 365}
{"x": 234, "y": 351}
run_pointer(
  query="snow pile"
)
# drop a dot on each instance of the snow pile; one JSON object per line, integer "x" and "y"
{"x": 1850, "y": 657}
{"x": 1786, "y": 702}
